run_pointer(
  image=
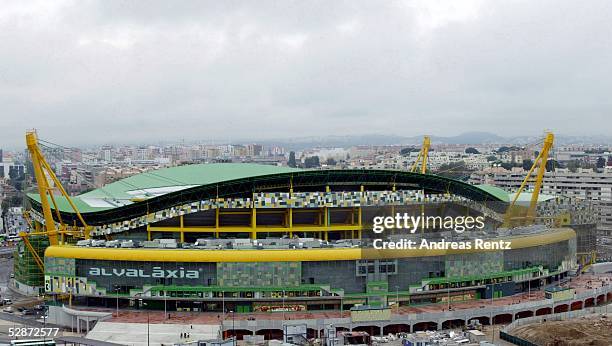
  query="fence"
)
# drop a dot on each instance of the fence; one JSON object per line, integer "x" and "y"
{"x": 504, "y": 334}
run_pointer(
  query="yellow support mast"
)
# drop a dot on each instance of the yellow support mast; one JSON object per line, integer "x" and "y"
{"x": 42, "y": 173}
{"x": 43, "y": 186}
{"x": 422, "y": 157}
{"x": 540, "y": 164}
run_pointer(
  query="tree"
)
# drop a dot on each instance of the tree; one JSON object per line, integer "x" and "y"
{"x": 454, "y": 170}
{"x": 527, "y": 163}
{"x": 312, "y": 162}
{"x": 491, "y": 158}
{"x": 471, "y": 150}
{"x": 13, "y": 174}
{"x": 551, "y": 165}
{"x": 573, "y": 166}
{"x": 14, "y": 201}
{"x": 504, "y": 149}
{"x": 330, "y": 161}
{"x": 601, "y": 162}
{"x": 407, "y": 151}
{"x": 291, "y": 162}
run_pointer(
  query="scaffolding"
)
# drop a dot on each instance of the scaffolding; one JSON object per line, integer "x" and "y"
{"x": 26, "y": 269}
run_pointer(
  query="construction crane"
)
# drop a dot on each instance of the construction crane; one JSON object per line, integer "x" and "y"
{"x": 422, "y": 157}
{"x": 47, "y": 181}
{"x": 514, "y": 212}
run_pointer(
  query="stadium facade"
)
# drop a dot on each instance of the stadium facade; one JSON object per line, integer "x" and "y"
{"x": 263, "y": 238}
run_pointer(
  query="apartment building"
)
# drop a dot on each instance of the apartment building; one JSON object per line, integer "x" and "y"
{"x": 585, "y": 184}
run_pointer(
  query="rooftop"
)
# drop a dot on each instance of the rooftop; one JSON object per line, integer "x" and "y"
{"x": 162, "y": 181}
{"x": 156, "y": 190}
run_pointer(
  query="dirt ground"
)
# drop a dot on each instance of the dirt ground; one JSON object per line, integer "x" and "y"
{"x": 588, "y": 330}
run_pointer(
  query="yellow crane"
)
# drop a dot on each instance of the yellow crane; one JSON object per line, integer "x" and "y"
{"x": 422, "y": 157}
{"x": 47, "y": 182}
{"x": 515, "y": 212}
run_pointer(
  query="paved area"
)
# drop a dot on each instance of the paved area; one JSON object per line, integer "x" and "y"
{"x": 6, "y": 268}
{"x": 154, "y": 334}
{"x": 4, "y": 329}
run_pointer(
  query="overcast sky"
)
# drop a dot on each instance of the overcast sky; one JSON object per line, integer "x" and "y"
{"x": 94, "y": 72}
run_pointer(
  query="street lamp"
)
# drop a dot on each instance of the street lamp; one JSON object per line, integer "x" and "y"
{"x": 143, "y": 304}
{"x": 117, "y": 295}
{"x": 283, "y": 305}
{"x": 397, "y": 299}
{"x": 44, "y": 326}
{"x": 233, "y": 328}
{"x": 448, "y": 295}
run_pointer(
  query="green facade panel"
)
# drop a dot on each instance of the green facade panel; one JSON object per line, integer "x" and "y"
{"x": 237, "y": 274}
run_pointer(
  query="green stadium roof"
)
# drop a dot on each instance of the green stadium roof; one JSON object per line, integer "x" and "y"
{"x": 525, "y": 197}
{"x": 156, "y": 190}
{"x": 495, "y": 191}
{"x": 158, "y": 182}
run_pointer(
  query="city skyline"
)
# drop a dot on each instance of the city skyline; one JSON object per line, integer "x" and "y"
{"x": 306, "y": 142}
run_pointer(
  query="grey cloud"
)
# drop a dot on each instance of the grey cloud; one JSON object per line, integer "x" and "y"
{"x": 119, "y": 71}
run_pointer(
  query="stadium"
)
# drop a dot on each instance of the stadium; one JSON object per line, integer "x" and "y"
{"x": 247, "y": 237}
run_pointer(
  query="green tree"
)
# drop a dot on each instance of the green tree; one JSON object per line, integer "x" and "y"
{"x": 312, "y": 162}
{"x": 471, "y": 150}
{"x": 454, "y": 170}
{"x": 330, "y": 161}
{"x": 527, "y": 163}
{"x": 407, "y": 151}
{"x": 601, "y": 162}
{"x": 552, "y": 164}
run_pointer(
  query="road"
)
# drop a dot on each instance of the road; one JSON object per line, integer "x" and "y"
{"x": 6, "y": 268}
{"x": 15, "y": 320}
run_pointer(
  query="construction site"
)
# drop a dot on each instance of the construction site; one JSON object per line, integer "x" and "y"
{"x": 587, "y": 330}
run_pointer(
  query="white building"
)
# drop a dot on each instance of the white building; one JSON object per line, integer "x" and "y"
{"x": 584, "y": 184}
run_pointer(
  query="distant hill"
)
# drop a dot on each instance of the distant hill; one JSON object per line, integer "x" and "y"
{"x": 467, "y": 138}
{"x": 470, "y": 138}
